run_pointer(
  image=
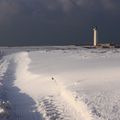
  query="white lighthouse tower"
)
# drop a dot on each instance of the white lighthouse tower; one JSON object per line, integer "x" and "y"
{"x": 95, "y": 40}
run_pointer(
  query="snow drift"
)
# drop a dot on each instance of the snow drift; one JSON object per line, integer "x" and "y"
{"x": 69, "y": 84}
{"x": 28, "y": 82}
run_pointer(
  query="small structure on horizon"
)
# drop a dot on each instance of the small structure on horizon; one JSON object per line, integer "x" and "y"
{"x": 95, "y": 36}
{"x": 100, "y": 45}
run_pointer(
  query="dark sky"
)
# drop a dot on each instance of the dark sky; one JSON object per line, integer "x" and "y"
{"x": 58, "y": 22}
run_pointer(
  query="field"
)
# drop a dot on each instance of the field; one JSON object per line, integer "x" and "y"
{"x": 59, "y": 83}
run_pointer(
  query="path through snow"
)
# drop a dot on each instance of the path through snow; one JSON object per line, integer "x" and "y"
{"x": 62, "y": 85}
{"x": 22, "y": 106}
{"x": 54, "y": 101}
{"x": 50, "y": 102}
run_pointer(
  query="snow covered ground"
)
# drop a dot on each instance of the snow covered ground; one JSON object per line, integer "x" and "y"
{"x": 60, "y": 83}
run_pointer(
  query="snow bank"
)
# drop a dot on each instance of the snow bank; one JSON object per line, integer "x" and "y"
{"x": 36, "y": 86}
{"x": 23, "y": 76}
{"x": 22, "y": 61}
{"x": 92, "y": 74}
{"x": 77, "y": 107}
{"x": 81, "y": 84}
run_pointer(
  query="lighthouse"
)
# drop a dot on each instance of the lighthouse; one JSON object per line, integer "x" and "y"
{"x": 95, "y": 37}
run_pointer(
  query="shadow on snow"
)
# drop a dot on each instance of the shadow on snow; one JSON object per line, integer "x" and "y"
{"x": 22, "y": 105}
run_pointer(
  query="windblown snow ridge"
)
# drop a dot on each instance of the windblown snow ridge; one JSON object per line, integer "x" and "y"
{"x": 65, "y": 98}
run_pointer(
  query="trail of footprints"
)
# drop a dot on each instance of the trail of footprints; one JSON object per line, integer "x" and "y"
{"x": 52, "y": 109}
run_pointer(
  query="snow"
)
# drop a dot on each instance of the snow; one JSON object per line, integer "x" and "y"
{"x": 1, "y": 110}
{"x": 55, "y": 83}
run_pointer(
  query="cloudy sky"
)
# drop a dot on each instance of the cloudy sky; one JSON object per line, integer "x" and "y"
{"x": 58, "y": 22}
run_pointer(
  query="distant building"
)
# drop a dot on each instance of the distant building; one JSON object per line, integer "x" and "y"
{"x": 100, "y": 45}
{"x": 95, "y": 34}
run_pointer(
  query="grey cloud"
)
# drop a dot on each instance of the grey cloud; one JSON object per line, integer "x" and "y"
{"x": 8, "y": 9}
{"x": 69, "y": 4}
{"x": 111, "y": 5}
{"x": 62, "y": 21}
